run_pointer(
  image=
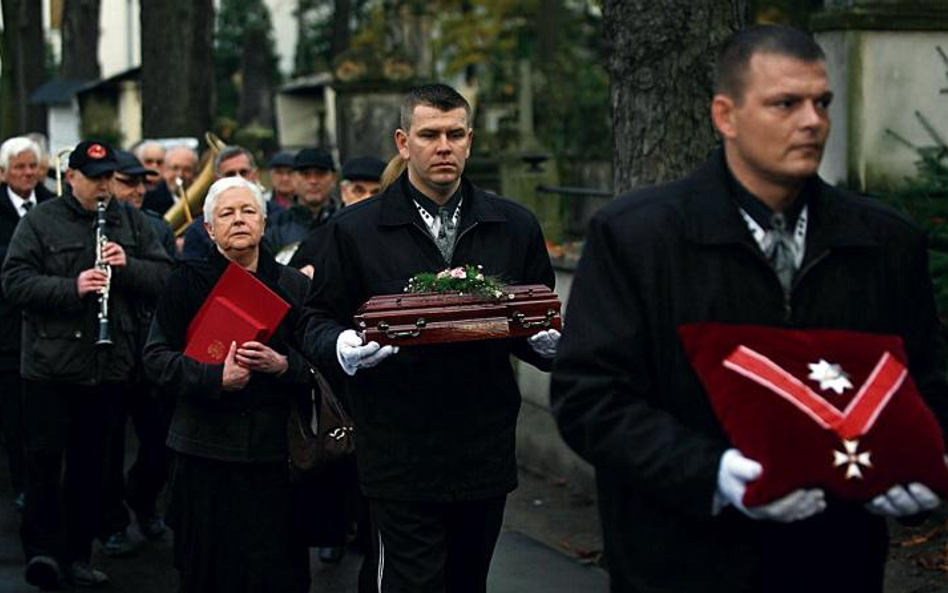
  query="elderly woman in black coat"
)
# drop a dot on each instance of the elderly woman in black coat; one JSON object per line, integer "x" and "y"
{"x": 230, "y": 492}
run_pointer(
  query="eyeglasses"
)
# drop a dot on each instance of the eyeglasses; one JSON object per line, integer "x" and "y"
{"x": 130, "y": 181}
{"x": 238, "y": 172}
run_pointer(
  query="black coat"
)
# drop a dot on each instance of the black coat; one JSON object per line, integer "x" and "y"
{"x": 10, "y": 316}
{"x": 50, "y": 247}
{"x": 158, "y": 200}
{"x": 437, "y": 422}
{"x": 627, "y": 400}
{"x": 247, "y": 425}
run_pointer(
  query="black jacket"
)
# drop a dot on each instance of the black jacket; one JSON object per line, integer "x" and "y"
{"x": 162, "y": 230}
{"x": 248, "y": 425}
{"x": 627, "y": 400}
{"x": 50, "y": 247}
{"x": 292, "y": 226}
{"x": 159, "y": 200}
{"x": 435, "y": 422}
{"x": 10, "y": 316}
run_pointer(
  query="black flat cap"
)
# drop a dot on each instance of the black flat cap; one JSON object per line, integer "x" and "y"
{"x": 129, "y": 164}
{"x": 281, "y": 159}
{"x": 314, "y": 158}
{"x": 363, "y": 168}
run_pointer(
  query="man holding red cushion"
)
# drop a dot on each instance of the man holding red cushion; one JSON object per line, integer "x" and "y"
{"x": 752, "y": 237}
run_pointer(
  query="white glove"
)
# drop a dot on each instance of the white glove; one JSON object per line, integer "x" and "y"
{"x": 736, "y": 471}
{"x": 901, "y": 501}
{"x": 353, "y": 355}
{"x": 545, "y": 342}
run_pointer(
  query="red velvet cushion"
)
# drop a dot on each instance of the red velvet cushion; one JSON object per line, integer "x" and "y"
{"x": 903, "y": 442}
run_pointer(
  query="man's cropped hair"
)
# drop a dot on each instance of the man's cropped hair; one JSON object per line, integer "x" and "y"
{"x": 735, "y": 54}
{"x": 230, "y": 152}
{"x": 437, "y": 95}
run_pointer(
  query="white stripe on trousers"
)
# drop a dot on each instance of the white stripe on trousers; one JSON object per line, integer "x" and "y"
{"x": 381, "y": 568}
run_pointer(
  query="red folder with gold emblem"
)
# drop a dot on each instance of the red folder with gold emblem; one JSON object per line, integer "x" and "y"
{"x": 239, "y": 309}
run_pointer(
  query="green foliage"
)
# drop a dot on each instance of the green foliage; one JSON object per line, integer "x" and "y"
{"x": 236, "y": 20}
{"x": 464, "y": 280}
{"x": 925, "y": 200}
{"x": 570, "y": 83}
{"x": 314, "y": 36}
{"x": 100, "y": 121}
{"x": 485, "y": 40}
{"x": 314, "y": 41}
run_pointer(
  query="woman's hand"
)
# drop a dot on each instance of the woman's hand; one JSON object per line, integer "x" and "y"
{"x": 259, "y": 357}
{"x": 235, "y": 375}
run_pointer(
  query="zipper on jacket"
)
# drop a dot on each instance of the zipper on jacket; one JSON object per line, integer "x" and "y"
{"x": 460, "y": 236}
{"x": 427, "y": 234}
{"x": 788, "y": 294}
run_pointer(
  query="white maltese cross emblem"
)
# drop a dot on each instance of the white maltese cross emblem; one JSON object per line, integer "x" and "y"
{"x": 852, "y": 459}
{"x": 830, "y": 376}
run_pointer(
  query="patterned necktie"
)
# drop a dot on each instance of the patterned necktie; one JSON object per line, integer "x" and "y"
{"x": 445, "y": 237}
{"x": 781, "y": 251}
{"x": 26, "y": 207}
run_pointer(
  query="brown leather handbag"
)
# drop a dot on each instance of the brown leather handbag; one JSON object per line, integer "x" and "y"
{"x": 319, "y": 430}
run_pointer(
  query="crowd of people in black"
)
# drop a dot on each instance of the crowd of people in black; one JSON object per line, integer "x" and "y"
{"x": 98, "y": 294}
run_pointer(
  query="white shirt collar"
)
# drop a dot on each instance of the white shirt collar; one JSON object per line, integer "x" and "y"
{"x": 18, "y": 202}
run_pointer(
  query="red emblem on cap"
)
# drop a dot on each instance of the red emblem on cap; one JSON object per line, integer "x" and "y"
{"x": 96, "y": 151}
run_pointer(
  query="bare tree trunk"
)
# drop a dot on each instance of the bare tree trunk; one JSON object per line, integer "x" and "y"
{"x": 661, "y": 67}
{"x": 340, "y": 28}
{"x": 256, "y": 91}
{"x": 80, "y": 40}
{"x": 177, "y": 67}
{"x": 548, "y": 31}
{"x": 23, "y": 51}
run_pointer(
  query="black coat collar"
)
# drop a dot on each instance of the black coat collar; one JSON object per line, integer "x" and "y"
{"x": 113, "y": 212}
{"x": 711, "y": 216}
{"x": 399, "y": 210}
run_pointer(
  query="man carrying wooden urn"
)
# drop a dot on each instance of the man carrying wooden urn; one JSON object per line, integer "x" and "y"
{"x": 435, "y": 423}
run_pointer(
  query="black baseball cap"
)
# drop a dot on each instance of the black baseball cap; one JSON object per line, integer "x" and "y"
{"x": 313, "y": 158}
{"x": 128, "y": 164}
{"x": 363, "y": 168}
{"x": 281, "y": 159}
{"x": 92, "y": 158}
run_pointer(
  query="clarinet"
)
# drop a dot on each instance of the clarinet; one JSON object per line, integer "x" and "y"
{"x": 105, "y": 338}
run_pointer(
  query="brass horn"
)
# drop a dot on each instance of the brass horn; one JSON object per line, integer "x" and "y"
{"x": 178, "y": 216}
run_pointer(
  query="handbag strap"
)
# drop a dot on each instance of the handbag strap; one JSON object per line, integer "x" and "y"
{"x": 329, "y": 396}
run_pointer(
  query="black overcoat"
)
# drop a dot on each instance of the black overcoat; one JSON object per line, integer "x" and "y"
{"x": 627, "y": 400}
{"x": 10, "y": 321}
{"x": 246, "y": 425}
{"x": 433, "y": 423}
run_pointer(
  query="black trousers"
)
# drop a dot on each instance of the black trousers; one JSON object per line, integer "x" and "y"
{"x": 68, "y": 431}
{"x": 11, "y": 419}
{"x": 423, "y": 547}
{"x": 150, "y": 415}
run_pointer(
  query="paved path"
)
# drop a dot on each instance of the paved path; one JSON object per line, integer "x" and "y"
{"x": 521, "y": 564}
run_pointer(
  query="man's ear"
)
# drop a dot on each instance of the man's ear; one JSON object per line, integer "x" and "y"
{"x": 401, "y": 142}
{"x": 722, "y": 115}
{"x": 470, "y": 142}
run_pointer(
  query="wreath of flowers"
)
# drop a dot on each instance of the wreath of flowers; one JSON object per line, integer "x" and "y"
{"x": 461, "y": 280}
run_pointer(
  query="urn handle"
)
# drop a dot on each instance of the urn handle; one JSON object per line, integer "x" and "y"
{"x": 391, "y": 334}
{"x": 521, "y": 319}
